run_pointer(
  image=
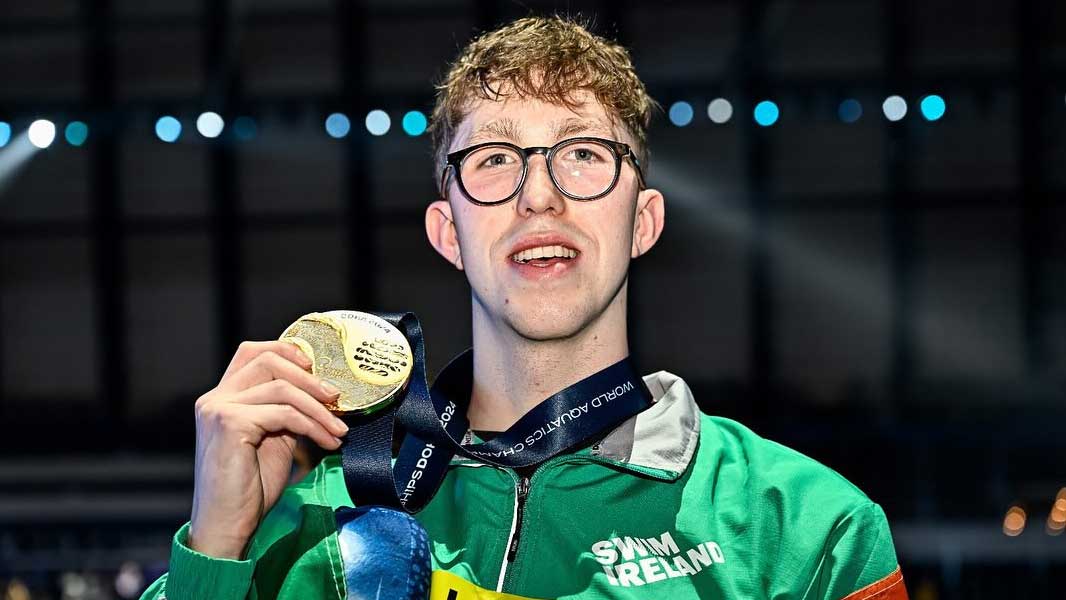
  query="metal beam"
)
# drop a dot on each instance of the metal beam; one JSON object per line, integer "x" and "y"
{"x": 901, "y": 227}
{"x": 970, "y": 80}
{"x": 762, "y": 366}
{"x": 1036, "y": 222}
{"x": 361, "y": 274}
{"x": 108, "y": 237}
{"x": 222, "y": 90}
{"x": 977, "y": 543}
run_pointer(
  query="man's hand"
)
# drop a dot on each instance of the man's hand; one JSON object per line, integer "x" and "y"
{"x": 246, "y": 430}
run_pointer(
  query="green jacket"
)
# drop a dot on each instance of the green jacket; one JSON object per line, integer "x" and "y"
{"x": 672, "y": 504}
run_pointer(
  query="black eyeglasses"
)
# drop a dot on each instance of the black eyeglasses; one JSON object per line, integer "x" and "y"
{"x": 582, "y": 168}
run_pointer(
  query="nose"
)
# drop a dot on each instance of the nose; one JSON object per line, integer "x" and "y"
{"x": 539, "y": 194}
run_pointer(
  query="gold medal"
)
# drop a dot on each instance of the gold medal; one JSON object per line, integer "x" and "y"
{"x": 362, "y": 355}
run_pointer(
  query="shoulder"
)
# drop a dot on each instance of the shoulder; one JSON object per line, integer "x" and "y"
{"x": 823, "y": 526}
{"x": 770, "y": 469}
{"x": 727, "y": 456}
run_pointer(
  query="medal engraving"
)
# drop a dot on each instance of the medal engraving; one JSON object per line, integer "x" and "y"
{"x": 363, "y": 355}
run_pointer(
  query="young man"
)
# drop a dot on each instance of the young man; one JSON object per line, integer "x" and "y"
{"x": 540, "y": 143}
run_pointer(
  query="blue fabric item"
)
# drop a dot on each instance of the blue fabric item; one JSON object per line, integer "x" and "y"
{"x": 385, "y": 554}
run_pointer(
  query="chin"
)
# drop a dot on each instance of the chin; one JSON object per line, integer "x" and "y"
{"x": 546, "y": 323}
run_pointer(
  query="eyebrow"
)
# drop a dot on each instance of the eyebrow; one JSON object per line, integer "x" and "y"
{"x": 568, "y": 127}
{"x": 508, "y": 129}
{"x": 500, "y": 128}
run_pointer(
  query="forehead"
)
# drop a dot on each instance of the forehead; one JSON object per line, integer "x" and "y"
{"x": 530, "y": 121}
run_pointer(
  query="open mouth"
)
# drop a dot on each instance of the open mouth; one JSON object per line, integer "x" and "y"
{"x": 543, "y": 256}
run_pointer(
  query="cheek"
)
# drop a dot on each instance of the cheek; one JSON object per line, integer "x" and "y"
{"x": 615, "y": 229}
{"x": 479, "y": 228}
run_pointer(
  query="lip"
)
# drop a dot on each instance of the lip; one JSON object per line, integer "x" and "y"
{"x": 556, "y": 268}
{"x": 542, "y": 239}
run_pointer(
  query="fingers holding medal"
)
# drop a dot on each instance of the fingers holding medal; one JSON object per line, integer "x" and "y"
{"x": 271, "y": 375}
{"x": 364, "y": 356}
{"x": 246, "y": 429}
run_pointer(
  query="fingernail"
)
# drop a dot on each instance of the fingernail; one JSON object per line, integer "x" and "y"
{"x": 338, "y": 440}
{"x": 341, "y": 425}
{"x": 302, "y": 358}
{"x": 330, "y": 389}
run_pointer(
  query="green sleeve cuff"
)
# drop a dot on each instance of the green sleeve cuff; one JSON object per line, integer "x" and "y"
{"x": 194, "y": 576}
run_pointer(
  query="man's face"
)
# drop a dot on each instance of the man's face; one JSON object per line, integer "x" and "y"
{"x": 549, "y": 297}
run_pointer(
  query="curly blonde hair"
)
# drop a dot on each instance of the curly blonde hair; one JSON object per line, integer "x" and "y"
{"x": 546, "y": 58}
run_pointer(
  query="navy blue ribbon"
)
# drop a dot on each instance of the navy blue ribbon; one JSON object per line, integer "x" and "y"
{"x": 433, "y": 423}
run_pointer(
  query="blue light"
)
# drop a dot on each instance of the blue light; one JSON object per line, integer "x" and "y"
{"x": 5, "y": 134}
{"x": 850, "y": 110}
{"x": 244, "y": 128}
{"x": 338, "y": 125}
{"x": 76, "y": 133}
{"x": 378, "y": 122}
{"x": 681, "y": 113}
{"x": 168, "y": 129}
{"x": 766, "y": 113}
{"x": 933, "y": 107}
{"x": 414, "y": 123}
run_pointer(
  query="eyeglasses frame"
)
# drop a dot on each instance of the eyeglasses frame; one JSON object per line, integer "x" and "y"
{"x": 620, "y": 150}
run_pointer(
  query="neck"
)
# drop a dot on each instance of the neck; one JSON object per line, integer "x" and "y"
{"x": 512, "y": 373}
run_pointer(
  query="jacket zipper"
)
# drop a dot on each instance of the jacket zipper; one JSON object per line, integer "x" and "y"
{"x": 521, "y": 491}
{"x": 520, "y": 500}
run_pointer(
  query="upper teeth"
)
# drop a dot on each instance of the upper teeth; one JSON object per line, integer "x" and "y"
{"x": 543, "y": 252}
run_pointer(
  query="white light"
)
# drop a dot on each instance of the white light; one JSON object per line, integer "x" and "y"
{"x": 42, "y": 133}
{"x": 209, "y": 124}
{"x": 720, "y": 110}
{"x": 74, "y": 585}
{"x": 378, "y": 122}
{"x": 895, "y": 108}
{"x": 129, "y": 582}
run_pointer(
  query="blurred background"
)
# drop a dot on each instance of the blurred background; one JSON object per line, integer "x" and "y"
{"x": 864, "y": 256}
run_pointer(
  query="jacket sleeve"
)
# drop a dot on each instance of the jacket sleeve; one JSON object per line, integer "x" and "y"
{"x": 193, "y": 575}
{"x": 859, "y": 562}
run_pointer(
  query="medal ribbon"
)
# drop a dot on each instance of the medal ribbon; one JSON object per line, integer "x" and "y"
{"x": 433, "y": 421}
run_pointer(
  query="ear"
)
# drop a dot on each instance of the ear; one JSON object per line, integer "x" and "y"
{"x": 649, "y": 221}
{"x": 440, "y": 229}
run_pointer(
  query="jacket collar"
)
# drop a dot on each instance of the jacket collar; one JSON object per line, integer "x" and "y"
{"x": 661, "y": 440}
{"x": 658, "y": 442}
